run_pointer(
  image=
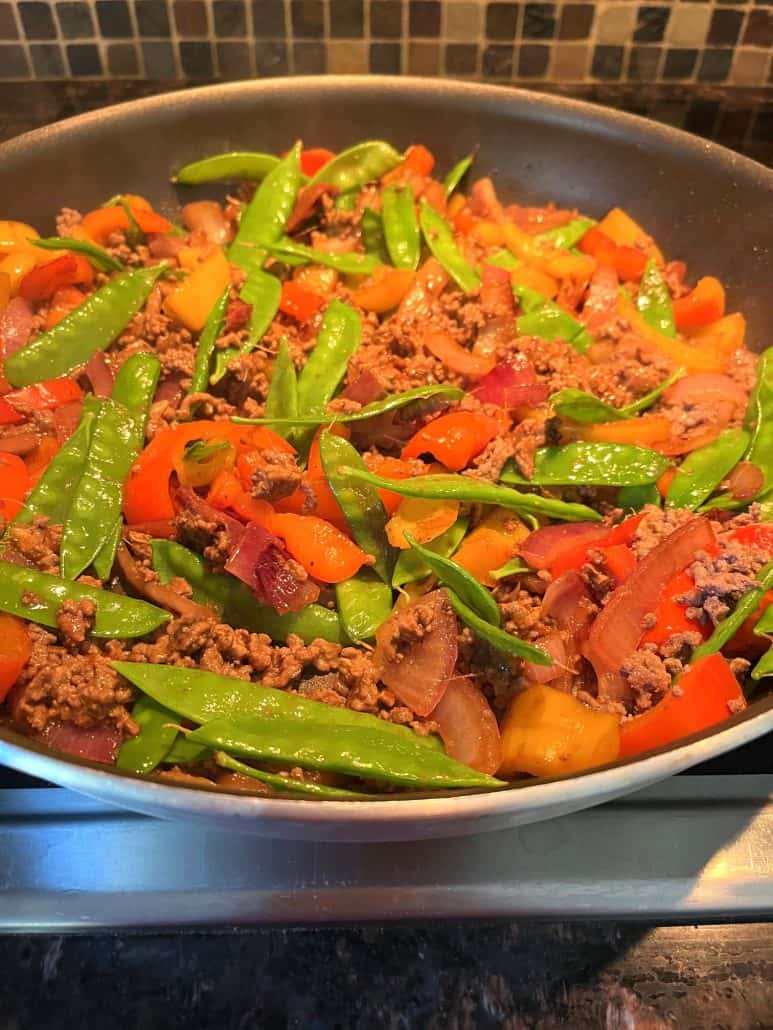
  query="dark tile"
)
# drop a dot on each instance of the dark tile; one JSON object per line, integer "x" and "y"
{"x": 233, "y": 60}
{"x": 114, "y": 19}
{"x": 607, "y": 62}
{"x": 715, "y": 65}
{"x": 762, "y": 128}
{"x": 271, "y": 58}
{"x": 650, "y": 24}
{"x": 424, "y": 18}
{"x": 309, "y": 59}
{"x": 308, "y": 18}
{"x": 37, "y": 21}
{"x": 230, "y": 17}
{"x": 385, "y": 58}
{"x": 501, "y": 21}
{"x": 8, "y": 28}
{"x": 347, "y": 19}
{"x": 643, "y": 62}
{"x": 122, "y": 59}
{"x": 159, "y": 61}
{"x": 498, "y": 62}
{"x": 725, "y": 27}
{"x": 84, "y": 59}
{"x": 190, "y": 17}
{"x": 268, "y": 20}
{"x": 539, "y": 21}
{"x": 152, "y": 17}
{"x": 702, "y": 117}
{"x": 13, "y": 62}
{"x": 759, "y": 28}
{"x": 576, "y": 21}
{"x": 47, "y": 61}
{"x": 386, "y": 19}
{"x": 533, "y": 59}
{"x": 196, "y": 60}
{"x": 679, "y": 63}
{"x": 461, "y": 58}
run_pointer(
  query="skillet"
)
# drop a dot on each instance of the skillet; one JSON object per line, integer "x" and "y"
{"x": 704, "y": 204}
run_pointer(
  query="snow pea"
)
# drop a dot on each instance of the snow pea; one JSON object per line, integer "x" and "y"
{"x": 703, "y": 470}
{"x": 372, "y": 232}
{"x": 364, "y": 602}
{"x": 654, "y": 301}
{"x": 512, "y": 568}
{"x": 204, "y": 696}
{"x": 338, "y": 339}
{"x": 288, "y": 785}
{"x": 634, "y": 498}
{"x": 401, "y": 228}
{"x": 213, "y": 327}
{"x": 440, "y": 240}
{"x": 727, "y": 628}
{"x": 91, "y": 327}
{"x": 409, "y": 567}
{"x": 158, "y": 730}
{"x": 764, "y": 666}
{"x": 544, "y": 318}
{"x": 236, "y": 164}
{"x": 183, "y": 753}
{"x": 346, "y": 201}
{"x": 117, "y": 616}
{"x": 503, "y": 258}
{"x": 263, "y": 292}
{"x": 566, "y": 236}
{"x": 759, "y": 419}
{"x": 135, "y": 386}
{"x": 347, "y": 264}
{"x": 460, "y": 582}
{"x": 100, "y": 259}
{"x": 282, "y": 399}
{"x": 467, "y": 488}
{"x": 105, "y": 556}
{"x": 223, "y": 358}
{"x": 457, "y": 173}
{"x": 360, "y": 502}
{"x": 496, "y": 637}
{"x": 234, "y": 603}
{"x": 264, "y": 219}
{"x": 594, "y": 464}
{"x": 586, "y": 407}
{"x": 358, "y": 165}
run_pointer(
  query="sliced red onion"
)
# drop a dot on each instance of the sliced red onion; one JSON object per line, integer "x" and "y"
{"x": 600, "y": 308}
{"x": 163, "y": 246}
{"x": 95, "y": 744}
{"x": 170, "y": 388}
{"x": 418, "y": 673}
{"x": 554, "y": 645}
{"x": 746, "y": 480}
{"x": 100, "y": 375}
{"x": 494, "y": 274}
{"x": 706, "y": 387}
{"x": 207, "y": 218}
{"x": 511, "y": 385}
{"x": 15, "y": 326}
{"x": 537, "y": 219}
{"x": 484, "y": 202}
{"x": 262, "y": 562}
{"x": 365, "y": 389}
{"x": 468, "y": 727}
{"x": 237, "y": 315}
{"x": 307, "y": 200}
{"x": 18, "y": 441}
{"x": 66, "y": 418}
{"x": 155, "y": 592}
{"x": 544, "y": 546}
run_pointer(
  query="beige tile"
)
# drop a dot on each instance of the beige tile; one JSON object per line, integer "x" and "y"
{"x": 749, "y": 67}
{"x": 615, "y": 23}
{"x": 347, "y": 58}
{"x": 423, "y": 59}
{"x": 463, "y": 22}
{"x": 570, "y": 62}
{"x": 688, "y": 25}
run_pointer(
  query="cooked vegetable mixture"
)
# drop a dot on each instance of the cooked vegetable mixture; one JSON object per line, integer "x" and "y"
{"x": 360, "y": 480}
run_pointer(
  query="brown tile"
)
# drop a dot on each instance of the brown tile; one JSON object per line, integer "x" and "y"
{"x": 615, "y": 24}
{"x": 688, "y": 25}
{"x": 749, "y": 67}
{"x": 533, "y": 61}
{"x": 8, "y": 28}
{"x": 190, "y": 17}
{"x": 643, "y": 63}
{"x": 570, "y": 62}
{"x": 423, "y": 58}
{"x": 463, "y": 22}
{"x": 576, "y": 21}
{"x": 759, "y": 28}
{"x": 347, "y": 58}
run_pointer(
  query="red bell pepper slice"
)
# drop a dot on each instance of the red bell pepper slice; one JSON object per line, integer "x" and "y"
{"x": 42, "y": 282}
{"x": 670, "y": 616}
{"x": 45, "y": 396}
{"x": 9, "y": 416}
{"x": 14, "y": 484}
{"x": 628, "y": 262}
{"x": 758, "y": 533}
{"x": 619, "y": 536}
{"x": 701, "y": 306}
{"x": 65, "y": 300}
{"x": 299, "y": 303}
{"x": 454, "y": 439}
{"x": 315, "y": 158}
{"x": 15, "y": 650}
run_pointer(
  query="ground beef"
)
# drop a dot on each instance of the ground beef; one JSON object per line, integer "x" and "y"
{"x": 647, "y": 678}
{"x": 521, "y": 611}
{"x": 657, "y": 524}
{"x": 152, "y": 329}
{"x": 38, "y": 544}
{"x": 205, "y": 536}
{"x": 247, "y": 379}
{"x": 741, "y": 366}
{"x": 626, "y": 372}
{"x": 411, "y": 625}
{"x": 498, "y": 675}
{"x": 721, "y": 581}
{"x": 594, "y": 571}
{"x": 557, "y": 363}
{"x": 276, "y": 477}
{"x": 66, "y": 221}
{"x": 490, "y": 462}
{"x": 75, "y": 619}
{"x": 524, "y": 441}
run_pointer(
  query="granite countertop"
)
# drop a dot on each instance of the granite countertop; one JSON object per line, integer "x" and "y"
{"x": 445, "y": 976}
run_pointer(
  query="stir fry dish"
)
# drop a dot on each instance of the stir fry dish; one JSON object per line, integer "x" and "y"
{"x": 359, "y": 480}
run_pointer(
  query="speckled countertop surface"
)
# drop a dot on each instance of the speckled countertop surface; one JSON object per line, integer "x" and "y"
{"x": 444, "y": 976}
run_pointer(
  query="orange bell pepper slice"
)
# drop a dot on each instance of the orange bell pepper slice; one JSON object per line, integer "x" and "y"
{"x": 706, "y": 690}
{"x": 315, "y": 158}
{"x": 417, "y": 163}
{"x": 453, "y": 439}
{"x": 65, "y": 300}
{"x": 623, "y": 230}
{"x": 424, "y": 519}
{"x": 558, "y": 263}
{"x": 723, "y": 337}
{"x": 384, "y": 290}
{"x": 704, "y": 304}
{"x": 644, "y": 431}
{"x": 628, "y": 262}
{"x": 15, "y": 651}
{"x": 534, "y": 279}
{"x": 299, "y": 303}
{"x": 37, "y": 461}
{"x": 322, "y": 549}
{"x": 491, "y": 544}
{"x": 42, "y": 282}
{"x": 391, "y": 468}
{"x": 455, "y": 357}
{"x": 14, "y": 484}
{"x": 227, "y": 494}
{"x": 693, "y": 358}
{"x": 431, "y": 279}
{"x": 100, "y": 224}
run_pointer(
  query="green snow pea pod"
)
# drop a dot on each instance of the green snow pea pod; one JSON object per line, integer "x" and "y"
{"x": 364, "y": 602}
{"x": 116, "y": 616}
{"x": 91, "y": 327}
{"x": 372, "y": 232}
{"x": 183, "y": 753}
{"x": 263, "y": 292}
{"x": 135, "y": 386}
{"x": 440, "y": 240}
{"x": 586, "y": 407}
{"x": 358, "y": 165}
{"x": 346, "y": 201}
{"x": 203, "y": 696}
{"x": 729, "y": 626}
{"x": 360, "y": 502}
{"x": 634, "y": 498}
{"x": 222, "y": 360}
{"x": 338, "y": 339}
{"x": 514, "y": 567}
{"x": 264, "y": 219}
{"x": 282, "y": 399}
{"x": 467, "y": 488}
{"x": 236, "y": 164}
{"x": 703, "y": 470}
{"x": 759, "y": 419}
{"x": 459, "y": 582}
{"x": 544, "y": 318}
{"x": 566, "y": 236}
{"x": 158, "y": 730}
{"x": 409, "y": 567}
{"x": 401, "y": 228}
{"x": 496, "y": 637}
{"x": 654, "y": 301}
{"x": 347, "y": 264}
{"x": 503, "y": 258}
{"x": 457, "y": 173}
{"x": 213, "y": 327}
{"x": 234, "y": 602}
{"x": 764, "y": 666}
{"x": 105, "y": 556}
{"x": 287, "y": 785}
{"x": 595, "y": 464}
{"x": 99, "y": 258}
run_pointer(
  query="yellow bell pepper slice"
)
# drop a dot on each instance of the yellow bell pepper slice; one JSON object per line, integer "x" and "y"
{"x": 623, "y": 230}
{"x": 195, "y": 297}
{"x": 491, "y": 544}
{"x": 723, "y": 337}
{"x": 17, "y": 234}
{"x": 423, "y": 519}
{"x": 691, "y": 357}
{"x": 560, "y": 264}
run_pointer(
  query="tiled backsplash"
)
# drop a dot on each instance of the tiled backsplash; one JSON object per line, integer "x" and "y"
{"x": 621, "y": 41}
